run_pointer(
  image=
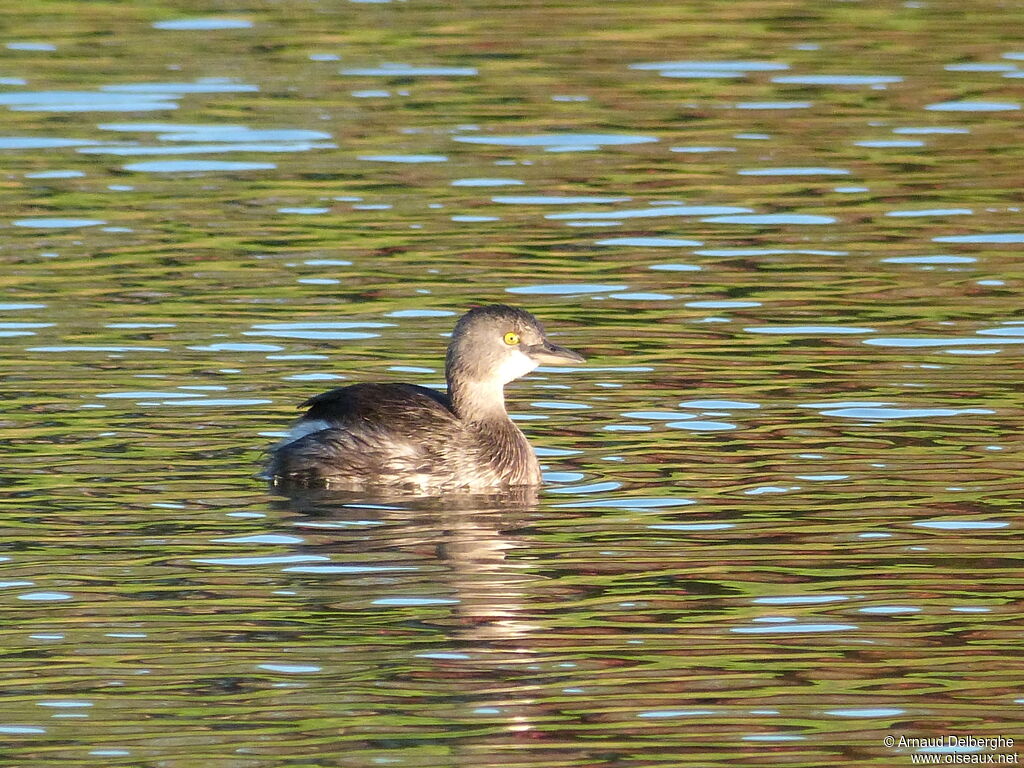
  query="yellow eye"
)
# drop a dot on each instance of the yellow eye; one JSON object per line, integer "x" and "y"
{"x": 511, "y": 338}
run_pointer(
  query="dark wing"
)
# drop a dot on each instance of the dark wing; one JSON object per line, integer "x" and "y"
{"x": 371, "y": 431}
{"x": 402, "y": 407}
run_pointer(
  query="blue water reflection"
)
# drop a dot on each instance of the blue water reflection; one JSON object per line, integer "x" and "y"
{"x": 782, "y": 486}
{"x": 837, "y": 79}
{"x": 202, "y": 24}
{"x": 649, "y": 213}
{"x": 559, "y": 140}
{"x": 86, "y": 101}
{"x": 197, "y": 166}
{"x": 405, "y": 70}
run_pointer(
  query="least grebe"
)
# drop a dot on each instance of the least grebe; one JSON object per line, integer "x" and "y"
{"x": 407, "y": 436}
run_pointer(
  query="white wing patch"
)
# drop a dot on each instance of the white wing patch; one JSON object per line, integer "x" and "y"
{"x": 304, "y": 427}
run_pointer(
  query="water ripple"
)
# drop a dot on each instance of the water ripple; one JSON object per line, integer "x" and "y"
{"x": 973, "y": 106}
{"x": 650, "y": 242}
{"x": 867, "y": 712}
{"x": 961, "y": 525}
{"x": 485, "y": 182}
{"x": 676, "y": 568}
{"x": 793, "y": 628}
{"x": 701, "y": 426}
{"x": 837, "y": 79}
{"x": 982, "y": 238}
{"x": 921, "y": 342}
{"x": 260, "y": 559}
{"x": 718, "y": 405}
{"x": 206, "y": 85}
{"x": 881, "y": 414}
{"x": 647, "y": 213}
{"x": 406, "y": 70}
{"x": 201, "y": 149}
{"x": 780, "y": 105}
{"x": 30, "y": 46}
{"x": 405, "y": 158}
{"x": 793, "y": 172}
{"x": 815, "y": 330}
{"x": 558, "y": 140}
{"x": 566, "y": 289}
{"x": 721, "y": 66}
{"x": 196, "y": 166}
{"x": 85, "y": 101}
{"x": 772, "y": 218}
{"x": 937, "y": 259}
{"x": 202, "y": 24}
{"x": 555, "y": 199}
{"x": 57, "y": 223}
{"x": 932, "y": 212}
{"x": 43, "y": 142}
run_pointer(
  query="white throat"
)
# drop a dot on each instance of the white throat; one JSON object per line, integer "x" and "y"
{"x": 515, "y": 366}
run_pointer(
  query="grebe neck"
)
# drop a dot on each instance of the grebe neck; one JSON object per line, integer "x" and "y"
{"x": 480, "y": 402}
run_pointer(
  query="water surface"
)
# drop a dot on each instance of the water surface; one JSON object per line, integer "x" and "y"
{"x": 780, "y": 521}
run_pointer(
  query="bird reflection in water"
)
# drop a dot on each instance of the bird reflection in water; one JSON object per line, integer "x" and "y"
{"x": 459, "y": 553}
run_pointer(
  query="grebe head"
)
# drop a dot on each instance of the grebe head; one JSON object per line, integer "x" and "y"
{"x": 496, "y": 344}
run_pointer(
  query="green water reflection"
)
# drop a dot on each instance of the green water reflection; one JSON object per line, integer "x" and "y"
{"x": 780, "y": 518}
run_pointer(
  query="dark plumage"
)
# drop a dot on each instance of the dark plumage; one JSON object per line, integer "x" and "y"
{"x": 407, "y": 436}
